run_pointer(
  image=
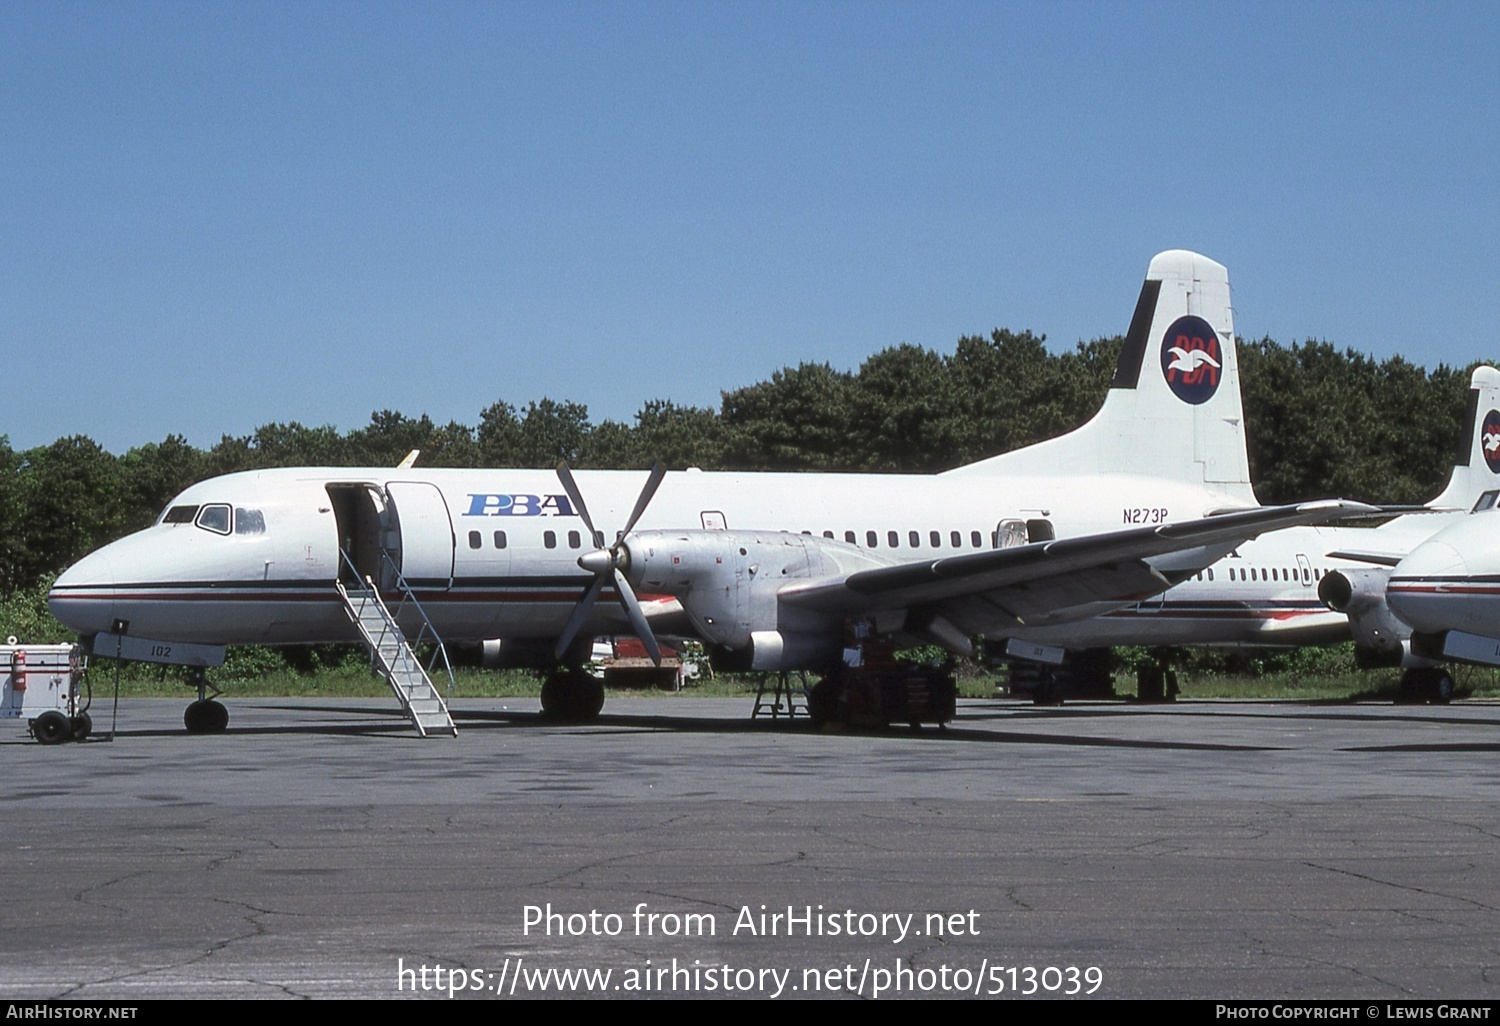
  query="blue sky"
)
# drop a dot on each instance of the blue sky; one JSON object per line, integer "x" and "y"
{"x": 217, "y": 216}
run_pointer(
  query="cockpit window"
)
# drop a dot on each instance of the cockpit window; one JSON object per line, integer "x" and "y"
{"x": 1486, "y": 501}
{"x": 249, "y": 521}
{"x": 179, "y": 515}
{"x": 214, "y": 518}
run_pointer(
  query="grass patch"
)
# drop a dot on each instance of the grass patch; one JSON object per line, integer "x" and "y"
{"x": 351, "y": 678}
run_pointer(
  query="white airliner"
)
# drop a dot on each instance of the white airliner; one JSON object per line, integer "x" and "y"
{"x": 768, "y": 567}
{"x": 1310, "y": 585}
{"x": 1448, "y": 588}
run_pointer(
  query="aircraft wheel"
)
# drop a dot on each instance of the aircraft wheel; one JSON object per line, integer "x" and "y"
{"x": 823, "y": 702}
{"x": 590, "y": 694}
{"x": 572, "y": 698}
{"x": 1048, "y": 690}
{"x": 1411, "y": 687}
{"x": 82, "y": 726}
{"x": 1441, "y": 687}
{"x": 51, "y": 728}
{"x": 554, "y": 698}
{"x": 205, "y": 716}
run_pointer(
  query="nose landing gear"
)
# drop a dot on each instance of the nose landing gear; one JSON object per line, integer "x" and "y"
{"x": 205, "y": 716}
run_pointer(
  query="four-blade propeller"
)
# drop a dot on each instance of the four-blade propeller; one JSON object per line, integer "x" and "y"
{"x": 607, "y": 565}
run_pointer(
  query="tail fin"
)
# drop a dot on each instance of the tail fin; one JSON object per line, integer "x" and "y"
{"x": 1476, "y": 468}
{"x": 1173, "y": 410}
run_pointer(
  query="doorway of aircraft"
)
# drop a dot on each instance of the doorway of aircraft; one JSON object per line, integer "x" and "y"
{"x": 407, "y": 519}
{"x": 360, "y": 512}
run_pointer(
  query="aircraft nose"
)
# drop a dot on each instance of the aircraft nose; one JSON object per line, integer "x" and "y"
{"x": 83, "y": 596}
{"x": 1421, "y": 586}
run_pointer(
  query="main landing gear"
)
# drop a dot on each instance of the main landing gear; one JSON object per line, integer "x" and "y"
{"x": 1425, "y": 684}
{"x": 570, "y": 695}
{"x": 205, "y": 716}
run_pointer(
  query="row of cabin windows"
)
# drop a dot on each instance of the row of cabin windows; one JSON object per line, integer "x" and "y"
{"x": 913, "y": 539}
{"x": 872, "y": 539}
{"x": 549, "y": 540}
{"x": 1272, "y": 574}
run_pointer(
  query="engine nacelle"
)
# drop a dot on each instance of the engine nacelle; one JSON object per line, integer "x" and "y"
{"x": 729, "y": 583}
{"x": 518, "y": 653}
{"x": 1380, "y": 636}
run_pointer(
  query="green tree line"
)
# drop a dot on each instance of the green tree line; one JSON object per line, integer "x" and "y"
{"x": 1321, "y": 422}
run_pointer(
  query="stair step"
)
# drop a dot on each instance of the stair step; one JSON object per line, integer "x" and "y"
{"x": 394, "y": 660}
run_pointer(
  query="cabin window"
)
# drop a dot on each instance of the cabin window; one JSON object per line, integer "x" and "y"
{"x": 1210, "y": 573}
{"x": 214, "y": 518}
{"x": 957, "y": 539}
{"x": 575, "y": 540}
{"x": 180, "y": 515}
{"x": 827, "y": 534}
{"x": 849, "y": 537}
{"x": 870, "y": 539}
{"x": 249, "y": 521}
{"x": 936, "y": 537}
{"x": 975, "y": 539}
{"x": 893, "y": 539}
{"x": 549, "y": 539}
{"x": 499, "y": 539}
{"x": 915, "y": 539}
{"x": 475, "y": 540}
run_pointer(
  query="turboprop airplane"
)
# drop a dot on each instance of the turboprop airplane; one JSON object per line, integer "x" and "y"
{"x": 767, "y": 568}
{"x": 1311, "y": 585}
{"x": 1448, "y": 588}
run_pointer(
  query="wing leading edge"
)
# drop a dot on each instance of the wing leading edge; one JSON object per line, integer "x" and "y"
{"x": 1042, "y": 581}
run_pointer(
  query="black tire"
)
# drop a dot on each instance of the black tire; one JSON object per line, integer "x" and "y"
{"x": 823, "y": 702}
{"x": 555, "y": 699}
{"x": 1411, "y": 689}
{"x": 1441, "y": 687}
{"x": 1048, "y": 690}
{"x": 82, "y": 726}
{"x": 51, "y": 728}
{"x": 205, "y": 717}
{"x": 590, "y": 692}
{"x": 572, "y": 698}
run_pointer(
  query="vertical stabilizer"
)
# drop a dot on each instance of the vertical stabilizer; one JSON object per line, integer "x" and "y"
{"x": 1173, "y": 410}
{"x": 1476, "y": 468}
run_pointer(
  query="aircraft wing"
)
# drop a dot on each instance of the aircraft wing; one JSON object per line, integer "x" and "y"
{"x": 1363, "y": 556}
{"x": 1038, "y": 580}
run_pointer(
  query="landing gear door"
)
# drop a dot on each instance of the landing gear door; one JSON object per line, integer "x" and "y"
{"x": 425, "y": 532}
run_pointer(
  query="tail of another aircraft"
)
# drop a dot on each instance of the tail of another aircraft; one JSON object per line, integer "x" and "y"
{"x": 1476, "y": 468}
{"x": 1173, "y": 410}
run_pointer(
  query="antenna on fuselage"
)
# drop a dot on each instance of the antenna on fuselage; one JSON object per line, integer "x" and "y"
{"x": 411, "y": 459}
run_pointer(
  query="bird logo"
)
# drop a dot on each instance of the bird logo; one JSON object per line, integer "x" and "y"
{"x": 1191, "y": 359}
{"x": 1489, "y": 439}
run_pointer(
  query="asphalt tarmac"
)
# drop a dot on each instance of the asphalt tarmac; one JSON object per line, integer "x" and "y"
{"x": 1215, "y": 850}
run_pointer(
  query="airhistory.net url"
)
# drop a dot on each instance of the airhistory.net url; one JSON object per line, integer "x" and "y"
{"x": 516, "y": 978}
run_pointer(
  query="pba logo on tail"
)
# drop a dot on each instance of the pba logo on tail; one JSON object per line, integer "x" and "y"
{"x": 1489, "y": 437}
{"x": 1190, "y": 359}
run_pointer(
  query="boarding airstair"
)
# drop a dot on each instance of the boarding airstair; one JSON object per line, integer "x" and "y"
{"x": 393, "y": 656}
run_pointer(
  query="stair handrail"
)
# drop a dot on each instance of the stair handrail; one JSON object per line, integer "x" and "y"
{"x": 427, "y": 632}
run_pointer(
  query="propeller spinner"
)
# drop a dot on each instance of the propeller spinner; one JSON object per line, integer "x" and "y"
{"x": 608, "y": 564}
